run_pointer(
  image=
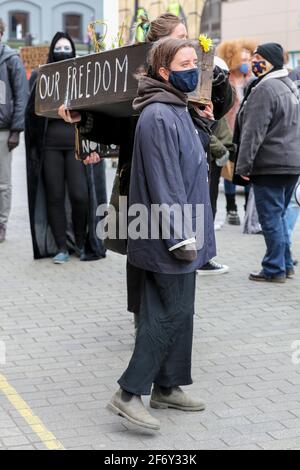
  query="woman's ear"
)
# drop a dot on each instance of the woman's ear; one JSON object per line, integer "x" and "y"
{"x": 164, "y": 73}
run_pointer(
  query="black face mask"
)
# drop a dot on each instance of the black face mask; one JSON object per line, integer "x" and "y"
{"x": 59, "y": 56}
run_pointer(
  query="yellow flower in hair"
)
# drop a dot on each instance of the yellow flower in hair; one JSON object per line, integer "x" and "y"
{"x": 205, "y": 42}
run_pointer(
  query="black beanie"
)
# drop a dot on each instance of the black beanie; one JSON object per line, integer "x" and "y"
{"x": 273, "y": 53}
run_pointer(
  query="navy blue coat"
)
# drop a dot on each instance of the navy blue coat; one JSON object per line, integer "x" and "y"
{"x": 170, "y": 167}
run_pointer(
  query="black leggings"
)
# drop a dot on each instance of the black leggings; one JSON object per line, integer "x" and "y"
{"x": 60, "y": 167}
{"x": 214, "y": 177}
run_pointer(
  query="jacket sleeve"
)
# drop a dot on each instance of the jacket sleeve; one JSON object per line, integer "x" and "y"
{"x": 20, "y": 91}
{"x": 256, "y": 118}
{"x": 159, "y": 144}
{"x": 222, "y": 140}
{"x": 223, "y": 98}
{"x": 218, "y": 150}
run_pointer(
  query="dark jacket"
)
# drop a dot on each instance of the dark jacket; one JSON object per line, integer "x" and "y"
{"x": 223, "y": 94}
{"x": 13, "y": 90}
{"x": 295, "y": 74}
{"x": 169, "y": 167}
{"x": 35, "y": 137}
{"x": 269, "y": 127}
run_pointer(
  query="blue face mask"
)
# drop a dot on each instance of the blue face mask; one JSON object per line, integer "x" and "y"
{"x": 244, "y": 69}
{"x": 186, "y": 80}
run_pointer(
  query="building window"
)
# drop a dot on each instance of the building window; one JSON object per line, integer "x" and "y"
{"x": 211, "y": 19}
{"x": 18, "y": 25}
{"x": 73, "y": 26}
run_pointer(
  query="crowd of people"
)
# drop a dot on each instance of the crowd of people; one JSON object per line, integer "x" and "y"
{"x": 173, "y": 153}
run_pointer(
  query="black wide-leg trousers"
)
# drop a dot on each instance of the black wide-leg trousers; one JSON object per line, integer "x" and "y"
{"x": 163, "y": 349}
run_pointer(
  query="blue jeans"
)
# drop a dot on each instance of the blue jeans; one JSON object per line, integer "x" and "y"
{"x": 272, "y": 204}
{"x": 230, "y": 188}
{"x": 292, "y": 215}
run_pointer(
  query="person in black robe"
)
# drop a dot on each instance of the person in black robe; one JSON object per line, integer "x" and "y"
{"x": 63, "y": 193}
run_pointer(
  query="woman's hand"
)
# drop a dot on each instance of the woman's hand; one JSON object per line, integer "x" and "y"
{"x": 92, "y": 159}
{"x": 72, "y": 117}
{"x": 207, "y": 113}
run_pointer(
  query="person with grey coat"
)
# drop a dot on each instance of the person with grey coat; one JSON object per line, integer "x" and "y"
{"x": 268, "y": 137}
{"x": 13, "y": 100}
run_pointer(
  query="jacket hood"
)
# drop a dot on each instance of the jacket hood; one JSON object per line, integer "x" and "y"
{"x": 153, "y": 91}
{"x": 56, "y": 38}
{"x": 5, "y": 53}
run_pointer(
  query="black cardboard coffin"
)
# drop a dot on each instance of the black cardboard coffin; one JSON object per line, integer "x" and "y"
{"x": 105, "y": 82}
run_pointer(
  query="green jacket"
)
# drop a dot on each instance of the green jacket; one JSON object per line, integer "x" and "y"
{"x": 221, "y": 141}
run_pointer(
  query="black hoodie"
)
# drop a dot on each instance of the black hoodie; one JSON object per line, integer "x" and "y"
{"x": 60, "y": 134}
{"x": 37, "y": 133}
{"x": 55, "y": 40}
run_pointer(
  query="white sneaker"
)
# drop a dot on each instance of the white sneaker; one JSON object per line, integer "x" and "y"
{"x": 218, "y": 227}
{"x": 212, "y": 269}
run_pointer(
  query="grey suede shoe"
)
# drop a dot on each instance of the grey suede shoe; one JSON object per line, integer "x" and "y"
{"x": 177, "y": 400}
{"x": 2, "y": 233}
{"x": 134, "y": 411}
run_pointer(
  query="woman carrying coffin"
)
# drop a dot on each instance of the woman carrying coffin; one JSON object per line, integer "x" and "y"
{"x": 121, "y": 131}
{"x": 169, "y": 168}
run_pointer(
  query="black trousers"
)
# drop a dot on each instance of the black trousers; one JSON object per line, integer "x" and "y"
{"x": 163, "y": 349}
{"x": 61, "y": 168}
{"x": 214, "y": 177}
{"x": 135, "y": 284}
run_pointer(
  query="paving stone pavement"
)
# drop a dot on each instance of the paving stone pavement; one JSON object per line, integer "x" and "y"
{"x": 68, "y": 339}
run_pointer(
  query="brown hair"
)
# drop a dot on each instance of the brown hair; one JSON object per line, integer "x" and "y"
{"x": 162, "y": 27}
{"x": 163, "y": 53}
{"x": 231, "y": 51}
{"x": 2, "y": 26}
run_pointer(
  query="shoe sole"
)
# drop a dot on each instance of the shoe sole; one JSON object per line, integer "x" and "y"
{"x": 164, "y": 406}
{"x": 269, "y": 281}
{"x": 116, "y": 411}
{"x": 213, "y": 273}
{"x": 235, "y": 224}
{"x": 61, "y": 262}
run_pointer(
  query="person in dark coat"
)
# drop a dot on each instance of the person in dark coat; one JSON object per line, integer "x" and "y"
{"x": 13, "y": 99}
{"x": 169, "y": 170}
{"x": 295, "y": 75}
{"x": 268, "y": 135}
{"x": 61, "y": 222}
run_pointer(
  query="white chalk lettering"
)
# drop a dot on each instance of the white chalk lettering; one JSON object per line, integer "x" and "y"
{"x": 43, "y": 90}
{"x": 49, "y": 86}
{"x": 80, "y": 82}
{"x": 106, "y": 74}
{"x": 57, "y": 79}
{"x": 80, "y": 94}
{"x": 97, "y": 78}
{"x": 90, "y": 146}
{"x": 88, "y": 71}
{"x": 120, "y": 68}
{"x": 74, "y": 84}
